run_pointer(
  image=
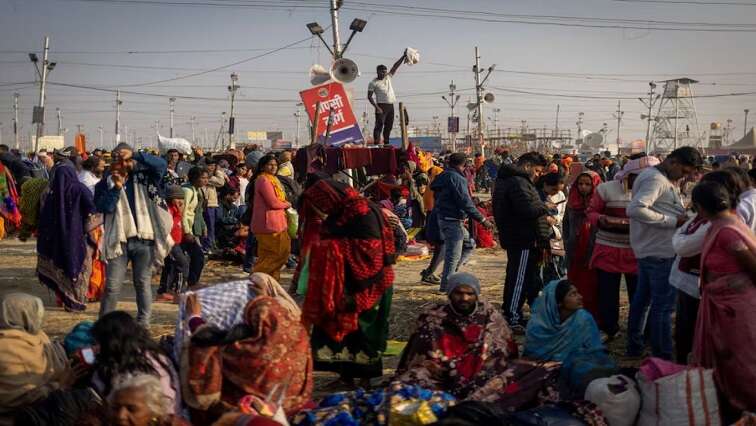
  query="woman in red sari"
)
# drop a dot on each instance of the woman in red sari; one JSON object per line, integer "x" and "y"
{"x": 726, "y": 326}
{"x": 578, "y": 236}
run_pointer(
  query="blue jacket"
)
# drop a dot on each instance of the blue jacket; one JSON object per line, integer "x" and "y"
{"x": 149, "y": 167}
{"x": 452, "y": 198}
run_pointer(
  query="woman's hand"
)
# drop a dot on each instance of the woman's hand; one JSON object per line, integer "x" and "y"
{"x": 72, "y": 374}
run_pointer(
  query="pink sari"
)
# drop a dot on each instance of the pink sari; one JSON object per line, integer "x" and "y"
{"x": 726, "y": 327}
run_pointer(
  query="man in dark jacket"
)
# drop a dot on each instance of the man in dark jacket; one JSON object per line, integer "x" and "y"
{"x": 453, "y": 204}
{"x": 519, "y": 214}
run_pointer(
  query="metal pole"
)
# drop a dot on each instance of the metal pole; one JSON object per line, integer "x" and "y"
{"x": 745, "y": 122}
{"x": 172, "y": 104}
{"x": 677, "y": 107}
{"x": 453, "y": 103}
{"x": 60, "y": 121}
{"x": 619, "y": 121}
{"x": 556, "y": 123}
{"x": 231, "y": 120}
{"x": 335, "y": 29}
{"x": 650, "y": 108}
{"x": 118, "y": 117}
{"x": 102, "y": 136}
{"x": 296, "y": 138}
{"x": 477, "y": 92}
{"x": 41, "y": 124}
{"x": 194, "y": 134}
{"x": 15, "y": 121}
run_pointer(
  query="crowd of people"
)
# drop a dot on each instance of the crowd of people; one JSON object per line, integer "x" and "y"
{"x": 678, "y": 236}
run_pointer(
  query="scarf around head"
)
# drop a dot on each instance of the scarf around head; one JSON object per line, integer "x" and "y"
{"x": 21, "y": 311}
{"x": 575, "y": 200}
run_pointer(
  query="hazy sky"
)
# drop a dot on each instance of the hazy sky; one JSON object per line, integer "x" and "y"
{"x": 90, "y": 41}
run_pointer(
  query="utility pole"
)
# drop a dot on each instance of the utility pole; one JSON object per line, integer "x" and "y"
{"x": 231, "y": 121}
{"x": 192, "y": 122}
{"x": 479, "y": 92}
{"x": 618, "y": 115}
{"x": 60, "y": 121}
{"x": 102, "y": 137}
{"x": 39, "y": 116}
{"x": 452, "y": 102}
{"x": 297, "y": 114}
{"x": 677, "y": 114}
{"x": 204, "y": 140}
{"x": 15, "y": 121}
{"x": 579, "y": 129}
{"x": 650, "y": 105}
{"x": 335, "y": 28}
{"x": 172, "y": 105}
{"x": 118, "y": 117}
{"x": 556, "y": 123}
{"x": 745, "y": 122}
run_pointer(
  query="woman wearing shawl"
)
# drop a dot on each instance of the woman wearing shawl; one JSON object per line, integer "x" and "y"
{"x": 348, "y": 281}
{"x": 726, "y": 327}
{"x": 31, "y": 367}
{"x": 266, "y": 357}
{"x": 269, "y": 219}
{"x": 64, "y": 248}
{"x": 561, "y": 330}
{"x": 612, "y": 255}
{"x": 578, "y": 237}
{"x": 9, "y": 213}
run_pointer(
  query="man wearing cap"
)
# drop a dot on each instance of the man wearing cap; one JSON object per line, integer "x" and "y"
{"x": 459, "y": 346}
{"x": 137, "y": 225}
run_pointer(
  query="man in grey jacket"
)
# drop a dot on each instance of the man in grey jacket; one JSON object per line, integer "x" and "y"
{"x": 655, "y": 211}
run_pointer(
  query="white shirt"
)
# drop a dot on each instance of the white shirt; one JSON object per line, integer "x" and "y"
{"x": 383, "y": 89}
{"x": 243, "y": 182}
{"x": 747, "y": 208}
{"x": 88, "y": 179}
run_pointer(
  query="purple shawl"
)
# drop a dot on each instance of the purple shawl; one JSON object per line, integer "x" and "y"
{"x": 62, "y": 239}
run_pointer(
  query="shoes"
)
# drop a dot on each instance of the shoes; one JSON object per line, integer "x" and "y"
{"x": 165, "y": 297}
{"x": 430, "y": 278}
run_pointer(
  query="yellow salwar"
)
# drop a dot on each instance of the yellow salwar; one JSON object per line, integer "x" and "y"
{"x": 272, "y": 253}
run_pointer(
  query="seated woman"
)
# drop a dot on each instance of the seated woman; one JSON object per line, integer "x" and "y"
{"x": 137, "y": 400}
{"x": 561, "y": 330}
{"x": 465, "y": 347}
{"x": 125, "y": 347}
{"x": 268, "y": 356}
{"x": 30, "y": 365}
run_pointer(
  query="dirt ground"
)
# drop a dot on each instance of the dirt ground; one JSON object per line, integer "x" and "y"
{"x": 18, "y": 260}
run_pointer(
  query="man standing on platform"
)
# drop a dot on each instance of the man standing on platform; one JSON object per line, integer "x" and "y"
{"x": 384, "y": 100}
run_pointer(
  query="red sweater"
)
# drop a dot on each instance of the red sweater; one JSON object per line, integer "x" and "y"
{"x": 177, "y": 231}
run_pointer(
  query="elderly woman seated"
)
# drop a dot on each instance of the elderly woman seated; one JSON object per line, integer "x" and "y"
{"x": 138, "y": 400}
{"x": 35, "y": 377}
{"x": 561, "y": 330}
{"x": 465, "y": 347}
{"x": 267, "y": 357}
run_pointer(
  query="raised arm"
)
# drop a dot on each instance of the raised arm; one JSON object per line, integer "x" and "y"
{"x": 398, "y": 63}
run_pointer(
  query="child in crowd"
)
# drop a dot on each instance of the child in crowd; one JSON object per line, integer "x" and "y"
{"x": 176, "y": 270}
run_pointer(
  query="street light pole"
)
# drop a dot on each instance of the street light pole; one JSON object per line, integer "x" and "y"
{"x": 172, "y": 105}
{"x": 118, "y": 117}
{"x": 745, "y": 122}
{"x": 46, "y": 67}
{"x": 335, "y": 29}
{"x": 15, "y": 121}
{"x": 452, "y": 102}
{"x": 231, "y": 121}
{"x": 102, "y": 138}
{"x": 60, "y": 121}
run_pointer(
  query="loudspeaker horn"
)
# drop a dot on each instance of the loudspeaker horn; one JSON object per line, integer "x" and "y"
{"x": 319, "y": 75}
{"x": 489, "y": 98}
{"x": 344, "y": 70}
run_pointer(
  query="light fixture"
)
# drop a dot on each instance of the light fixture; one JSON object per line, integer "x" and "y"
{"x": 51, "y": 66}
{"x": 33, "y": 57}
{"x": 358, "y": 25}
{"x": 315, "y": 28}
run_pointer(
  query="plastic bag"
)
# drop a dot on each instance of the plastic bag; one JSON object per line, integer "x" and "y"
{"x": 411, "y": 56}
{"x": 617, "y": 397}
{"x": 686, "y": 398}
{"x": 180, "y": 144}
{"x": 292, "y": 220}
